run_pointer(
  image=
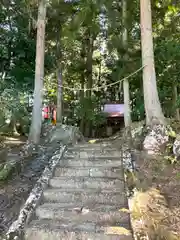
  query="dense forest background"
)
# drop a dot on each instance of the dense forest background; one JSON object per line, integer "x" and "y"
{"x": 85, "y": 49}
{"x": 79, "y": 55}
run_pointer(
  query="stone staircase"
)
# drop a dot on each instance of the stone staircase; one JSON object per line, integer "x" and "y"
{"x": 84, "y": 198}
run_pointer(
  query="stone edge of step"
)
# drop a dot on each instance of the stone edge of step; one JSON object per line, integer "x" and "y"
{"x": 128, "y": 165}
{"x": 44, "y": 226}
{"x": 35, "y": 195}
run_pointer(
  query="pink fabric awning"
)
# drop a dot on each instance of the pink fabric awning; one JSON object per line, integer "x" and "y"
{"x": 114, "y": 110}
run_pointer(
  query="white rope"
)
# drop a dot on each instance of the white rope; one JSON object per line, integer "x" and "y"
{"x": 106, "y": 86}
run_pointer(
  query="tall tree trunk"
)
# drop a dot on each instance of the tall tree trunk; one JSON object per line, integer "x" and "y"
{"x": 59, "y": 76}
{"x": 120, "y": 91}
{"x": 175, "y": 97}
{"x": 59, "y": 96}
{"x": 82, "y": 99}
{"x": 82, "y": 95}
{"x": 127, "y": 112}
{"x": 90, "y": 43}
{"x": 151, "y": 99}
{"x": 36, "y": 123}
{"x": 89, "y": 64}
{"x": 100, "y": 72}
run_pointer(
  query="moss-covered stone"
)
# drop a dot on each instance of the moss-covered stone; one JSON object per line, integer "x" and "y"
{"x": 8, "y": 169}
{"x": 1, "y": 166}
{"x": 3, "y": 155}
{"x": 138, "y": 132}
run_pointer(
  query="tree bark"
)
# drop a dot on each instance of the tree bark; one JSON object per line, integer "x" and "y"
{"x": 82, "y": 99}
{"x": 90, "y": 44}
{"x": 82, "y": 94}
{"x": 175, "y": 97}
{"x": 59, "y": 76}
{"x": 127, "y": 111}
{"x": 151, "y": 99}
{"x": 36, "y": 123}
{"x": 59, "y": 96}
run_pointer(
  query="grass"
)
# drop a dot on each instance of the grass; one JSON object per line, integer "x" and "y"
{"x": 155, "y": 206}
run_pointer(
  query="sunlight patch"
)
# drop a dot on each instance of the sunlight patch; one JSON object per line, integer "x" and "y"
{"x": 125, "y": 210}
{"x": 92, "y": 141}
{"x": 117, "y": 231}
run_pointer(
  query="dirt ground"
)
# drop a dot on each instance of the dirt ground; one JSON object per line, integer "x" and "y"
{"x": 14, "y": 191}
{"x": 7, "y": 190}
{"x": 155, "y": 205}
{"x": 12, "y": 143}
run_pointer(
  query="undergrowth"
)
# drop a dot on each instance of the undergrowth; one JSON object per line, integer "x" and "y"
{"x": 155, "y": 206}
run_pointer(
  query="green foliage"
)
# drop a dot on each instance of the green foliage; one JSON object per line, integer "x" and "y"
{"x": 70, "y": 27}
{"x": 14, "y": 102}
{"x": 178, "y": 102}
{"x": 171, "y": 159}
{"x": 89, "y": 109}
{"x": 5, "y": 172}
{"x": 170, "y": 132}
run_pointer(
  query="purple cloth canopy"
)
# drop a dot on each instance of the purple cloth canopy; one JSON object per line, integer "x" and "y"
{"x": 114, "y": 110}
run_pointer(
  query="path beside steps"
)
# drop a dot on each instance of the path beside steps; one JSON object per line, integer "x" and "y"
{"x": 84, "y": 198}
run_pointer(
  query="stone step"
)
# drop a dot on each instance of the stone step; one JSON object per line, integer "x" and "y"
{"x": 93, "y": 149}
{"x": 86, "y": 197}
{"x": 58, "y": 230}
{"x": 87, "y": 182}
{"x": 89, "y": 190}
{"x": 106, "y": 162}
{"x": 88, "y": 172}
{"x": 92, "y": 155}
{"x": 90, "y": 145}
{"x": 93, "y": 207}
{"x": 103, "y": 163}
{"x": 108, "y": 216}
